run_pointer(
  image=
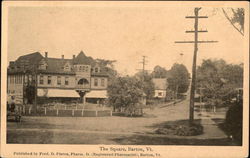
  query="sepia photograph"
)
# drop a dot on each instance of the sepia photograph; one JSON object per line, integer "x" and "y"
{"x": 124, "y": 73}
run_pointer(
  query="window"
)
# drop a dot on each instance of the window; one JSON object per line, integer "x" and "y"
{"x": 58, "y": 80}
{"x": 25, "y": 79}
{"x": 49, "y": 79}
{"x": 80, "y": 68}
{"x": 67, "y": 67}
{"x": 96, "y": 69}
{"x": 12, "y": 79}
{"x": 95, "y": 82}
{"x": 66, "y": 80}
{"x": 160, "y": 94}
{"x": 41, "y": 79}
{"x": 86, "y": 68}
{"x": 15, "y": 79}
{"x": 30, "y": 78}
{"x": 102, "y": 82}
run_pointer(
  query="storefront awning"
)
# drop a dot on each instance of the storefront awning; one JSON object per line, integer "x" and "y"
{"x": 60, "y": 93}
{"x": 97, "y": 94}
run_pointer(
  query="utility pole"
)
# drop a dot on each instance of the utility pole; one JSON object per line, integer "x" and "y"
{"x": 144, "y": 63}
{"x": 196, "y": 18}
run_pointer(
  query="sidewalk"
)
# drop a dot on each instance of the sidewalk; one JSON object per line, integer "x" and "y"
{"x": 210, "y": 129}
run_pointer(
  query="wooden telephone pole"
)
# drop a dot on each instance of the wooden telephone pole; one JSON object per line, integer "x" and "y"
{"x": 196, "y": 18}
{"x": 144, "y": 63}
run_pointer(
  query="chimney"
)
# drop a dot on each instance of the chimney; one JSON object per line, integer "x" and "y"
{"x": 62, "y": 56}
{"x": 74, "y": 56}
{"x": 46, "y": 54}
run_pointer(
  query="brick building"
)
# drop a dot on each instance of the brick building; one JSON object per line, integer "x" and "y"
{"x": 56, "y": 79}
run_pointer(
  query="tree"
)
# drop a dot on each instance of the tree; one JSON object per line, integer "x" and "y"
{"x": 209, "y": 79}
{"x": 125, "y": 93}
{"x": 148, "y": 85}
{"x": 178, "y": 80}
{"x": 109, "y": 67}
{"x": 233, "y": 74}
{"x": 219, "y": 80}
{"x": 159, "y": 72}
{"x": 237, "y": 18}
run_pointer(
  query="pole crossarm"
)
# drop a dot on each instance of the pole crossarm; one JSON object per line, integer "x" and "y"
{"x": 195, "y": 41}
{"x": 196, "y": 17}
{"x": 192, "y": 31}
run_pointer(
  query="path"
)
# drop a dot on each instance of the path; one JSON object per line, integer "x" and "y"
{"x": 210, "y": 128}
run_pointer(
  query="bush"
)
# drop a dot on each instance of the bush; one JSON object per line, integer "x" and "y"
{"x": 233, "y": 122}
{"x": 187, "y": 130}
{"x": 181, "y": 128}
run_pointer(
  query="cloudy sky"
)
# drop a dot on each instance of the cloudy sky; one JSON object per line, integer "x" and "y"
{"x": 121, "y": 32}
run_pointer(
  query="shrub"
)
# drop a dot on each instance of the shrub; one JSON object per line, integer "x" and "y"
{"x": 188, "y": 130}
{"x": 181, "y": 128}
{"x": 233, "y": 122}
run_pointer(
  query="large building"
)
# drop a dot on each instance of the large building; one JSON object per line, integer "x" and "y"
{"x": 56, "y": 79}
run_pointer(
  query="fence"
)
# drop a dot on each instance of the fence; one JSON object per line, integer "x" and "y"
{"x": 65, "y": 112}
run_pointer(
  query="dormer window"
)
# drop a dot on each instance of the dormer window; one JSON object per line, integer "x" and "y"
{"x": 43, "y": 65}
{"x": 67, "y": 67}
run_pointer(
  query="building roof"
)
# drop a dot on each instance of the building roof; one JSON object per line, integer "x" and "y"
{"x": 83, "y": 59}
{"x": 32, "y": 58}
{"x": 160, "y": 83}
{"x": 25, "y": 62}
{"x": 56, "y": 65}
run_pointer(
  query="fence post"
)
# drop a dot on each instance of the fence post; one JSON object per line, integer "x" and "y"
{"x": 96, "y": 113}
{"x": 45, "y": 111}
{"x": 29, "y": 110}
{"x": 82, "y": 111}
{"x": 56, "y": 112}
{"x": 110, "y": 112}
{"x": 73, "y": 112}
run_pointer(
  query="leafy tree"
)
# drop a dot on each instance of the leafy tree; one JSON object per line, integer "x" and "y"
{"x": 218, "y": 81}
{"x": 148, "y": 85}
{"x": 209, "y": 79}
{"x": 159, "y": 72}
{"x": 178, "y": 80}
{"x": 109, "y": 67}
{"x": 233, "y": 75}
{"x": 125, "y": 93}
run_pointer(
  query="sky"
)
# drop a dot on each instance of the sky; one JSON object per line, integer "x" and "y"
{"x": 122, "y": 33}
